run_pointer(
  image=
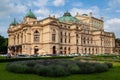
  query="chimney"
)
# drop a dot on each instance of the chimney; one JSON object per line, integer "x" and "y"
{"x": 49, "y": 15}
{"x": 90, "y": 14}
{"x": 53, "y": 16}
{"x": 102, "y": 18}
{"x": 77, "y": 14}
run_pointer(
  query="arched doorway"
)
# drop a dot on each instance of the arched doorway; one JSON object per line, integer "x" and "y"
{"x": 85, "y": 51}
{"x": 69, "y": 50}
{"x": 89, "y": 51}
{"x": 93, "y": 51}
{"x": 64, "y": 50}
{"x": 77, "y": 50}
{"x": 61, "y": 50}
{"x": 36, "y": 50}
{"x": 54, "y": 49}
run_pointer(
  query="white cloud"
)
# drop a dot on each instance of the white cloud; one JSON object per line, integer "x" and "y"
{"x": 59, "y": 2}
{"x": 18, "y": 8}
{"x": 77, "y": 4}
{"x": 94, "y": 10}
{"x": 7, "y": 8}
{"x": 42, "y": 12}
{"x": 117, "y": 11}
{"x": 114, "y": 3}
{"x": 40, "y": 3}
{"x": 45, "y": 12}
{"x": 113, "y": 6}
{"x": 113, "y": 25}
{"x": 3, "y": 31}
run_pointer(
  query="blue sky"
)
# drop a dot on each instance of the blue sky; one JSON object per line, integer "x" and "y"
{"x": 109, "y": 9}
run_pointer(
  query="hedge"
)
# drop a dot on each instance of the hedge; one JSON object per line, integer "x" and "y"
{"x": 57, "y": 67}
{"x": 33, "y": 58}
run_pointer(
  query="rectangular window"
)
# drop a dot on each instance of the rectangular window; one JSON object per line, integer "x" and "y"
{"x": 65, "y": 33}
{"x": 77, "y": 41}
{"x": 61, "y": 40}
{"x": 65, "y": 40}
{"x": 53, "y": 37}
{"x": 69, "y": 40}
{"x": 61, "y": 34}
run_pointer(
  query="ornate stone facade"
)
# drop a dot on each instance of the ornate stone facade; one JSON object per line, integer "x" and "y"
{"x": 65, "y": 35}
{"x": 117, "y": 46}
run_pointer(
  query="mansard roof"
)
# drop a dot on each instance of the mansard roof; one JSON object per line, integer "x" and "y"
{"x": 30, "y": 14}
{"x": 68, "y": 18}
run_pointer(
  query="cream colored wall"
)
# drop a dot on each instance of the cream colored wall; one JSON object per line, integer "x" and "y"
{"x": 47, "y": 44}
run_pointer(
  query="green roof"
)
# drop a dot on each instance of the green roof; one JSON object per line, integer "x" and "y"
{"x": 14, "y": 22}
{"x": 68, "y": 18}
{"x": 84, "y": 15}
{"x": 30, "y": 14}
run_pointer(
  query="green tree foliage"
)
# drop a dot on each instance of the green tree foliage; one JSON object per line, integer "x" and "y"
{"x": 3, "y": 45}
{"x": 117, "y": 40}
{"x": 2, "y": 40}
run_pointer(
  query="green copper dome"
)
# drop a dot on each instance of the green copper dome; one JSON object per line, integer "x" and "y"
{"x": 14, "y": 22}
{"x": 30, "y": 14}
{"x": 84, "y": 15}
{"x": 68, "y": 18}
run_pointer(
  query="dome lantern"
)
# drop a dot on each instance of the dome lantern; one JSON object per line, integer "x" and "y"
{"x": 14, "y": 23}
{"x": 30, "y": 14}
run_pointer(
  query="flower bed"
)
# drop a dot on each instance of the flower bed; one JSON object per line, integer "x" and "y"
{"x": 57, "y": 67}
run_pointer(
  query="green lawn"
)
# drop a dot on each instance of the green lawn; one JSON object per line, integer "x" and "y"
{"x": 112, "y": 74}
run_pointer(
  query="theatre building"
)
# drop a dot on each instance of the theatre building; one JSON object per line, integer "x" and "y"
{"x": 82, "y": 33}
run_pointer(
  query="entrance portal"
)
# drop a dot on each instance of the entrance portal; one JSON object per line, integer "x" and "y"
{"x": 36, "y": 50}
{"x": 54, "y": 50}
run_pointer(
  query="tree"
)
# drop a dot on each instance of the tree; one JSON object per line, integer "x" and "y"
{"x": 3, "y": 45}
{"x": 2, "y": 40}
{"x": 117, "y": 40}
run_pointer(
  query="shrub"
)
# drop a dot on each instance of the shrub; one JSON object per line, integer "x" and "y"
{"x": 56, "y": 67}
{"x": 73, "y": 68}
{"x": 30, "y": 63}
{"x": 100, "y": 67}
{"x": 17, "y": 68}
{"x": 110, "y": 65}
{"x": 57, "y": 70}
{"x": 40, "y": 69}
{"x": 85, "y": 67}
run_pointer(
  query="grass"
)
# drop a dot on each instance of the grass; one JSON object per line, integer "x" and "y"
{"x": 2, "y": 57}
{"x": 109, "y": 58}
{"x": 112, "y": 74}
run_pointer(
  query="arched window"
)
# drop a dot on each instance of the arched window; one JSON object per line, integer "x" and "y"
{"x": 96, "y": 50}
{"x": 77, "y": 50}
{"x": 69, "y": 37}
{"x": 54, "y": 49}
{"x": 22, "y": 38}
{"x": 14, "y": 39}
{"x": 36, "y": 36}
{"x": 89, "y": 50}
{"x": 64, "y": 50}
{"x": 61, "y": 37}
{"x": 61, "y": 50}
{"x": 18, "y": 39}
{"x": 36, "y": 50}
{"x": 53, "y": 35}
{"x": 69, "y": 50}
{"x": 85, "y": 50}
